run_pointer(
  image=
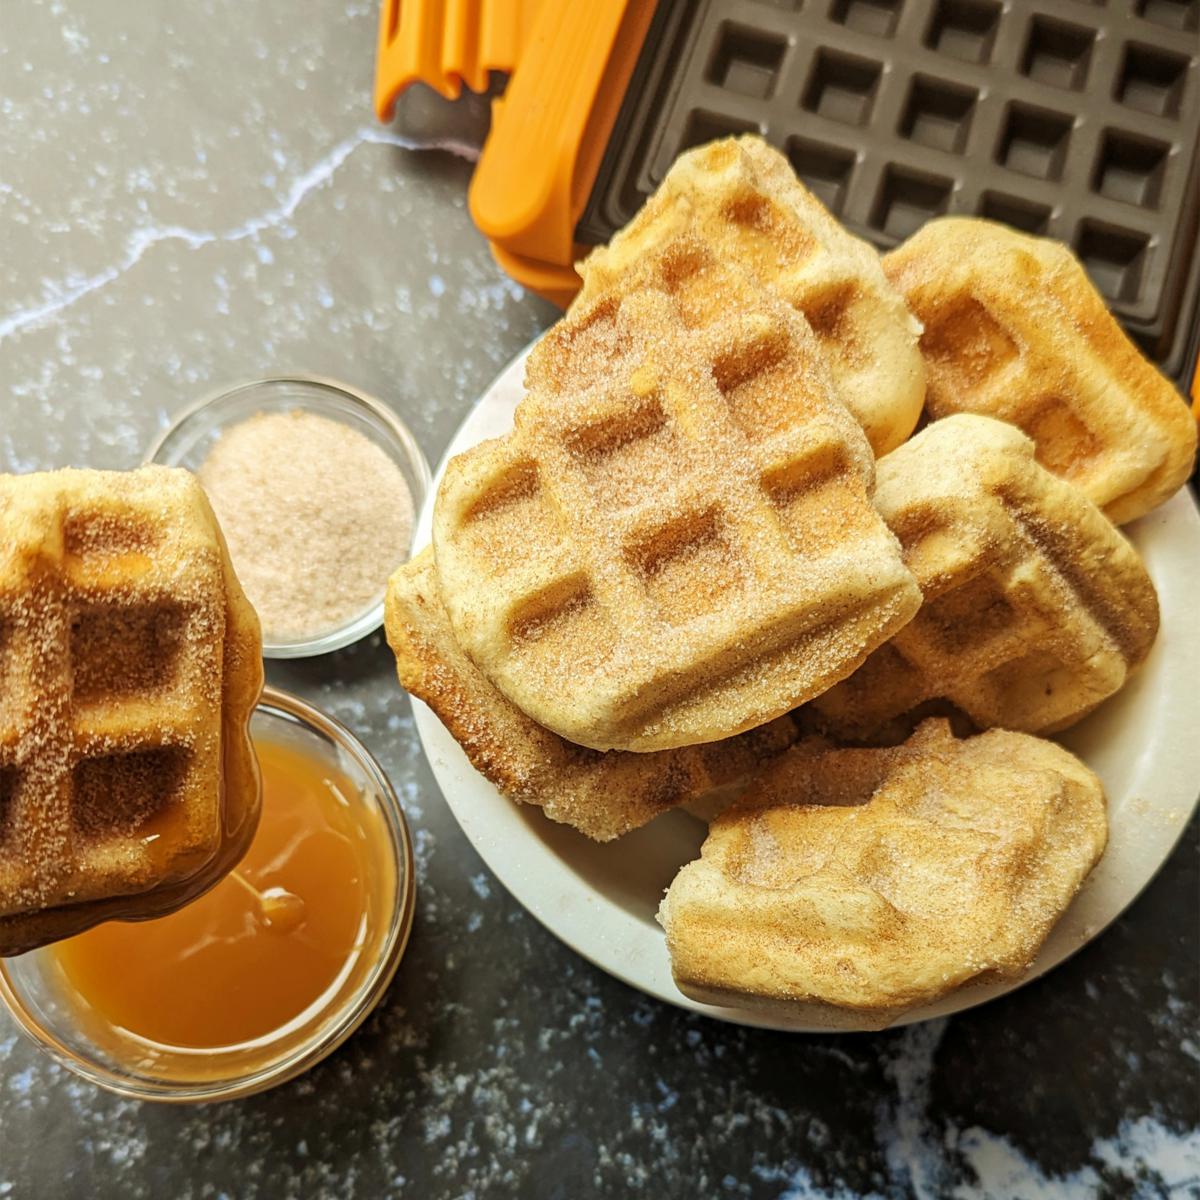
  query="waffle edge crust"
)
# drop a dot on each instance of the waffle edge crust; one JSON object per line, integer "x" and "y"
{"x": 603, "y": 794}
{"x": 851, "y": 885}
{"x": 130, "y": 663}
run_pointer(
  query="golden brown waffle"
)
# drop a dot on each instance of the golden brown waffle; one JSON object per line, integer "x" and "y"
{"x": 743, "y": 199}
{"x": 129, "y": 664}
{"x": 602, "y": 794}
{"x": 1036, "y": 607}
{"x": 1015, "y": 330}
{"x": 675, "y": 543}
{"x": 848, "y": 886}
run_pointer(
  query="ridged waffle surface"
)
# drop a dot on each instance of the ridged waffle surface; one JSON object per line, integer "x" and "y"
{"x": 1036, "y": 607}
{"x": 867, "y": 882}
{"x": 129, "y": 664}
{"x": 743, "y": 199}
{"x": 676, "y": 542}
{"x": 1014, "y": 329}
{"x": 602, "y": 794}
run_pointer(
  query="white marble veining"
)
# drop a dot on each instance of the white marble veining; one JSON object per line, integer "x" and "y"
{"x": 193, "y": 194}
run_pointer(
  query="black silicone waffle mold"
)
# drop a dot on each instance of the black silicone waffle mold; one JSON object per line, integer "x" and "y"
{"x": 1069, "y": 118}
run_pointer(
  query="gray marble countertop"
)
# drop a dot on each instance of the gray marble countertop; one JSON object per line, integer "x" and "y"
{"x": 192, "y": 194}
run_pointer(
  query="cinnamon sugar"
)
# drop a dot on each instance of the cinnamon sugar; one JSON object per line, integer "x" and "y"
{"x": 316, "y": 517}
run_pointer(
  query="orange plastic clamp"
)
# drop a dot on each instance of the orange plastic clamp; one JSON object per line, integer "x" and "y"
{"x": 549, "y": 132}
{"x": 446, "y": 43}
{"x": 570, "y": 65}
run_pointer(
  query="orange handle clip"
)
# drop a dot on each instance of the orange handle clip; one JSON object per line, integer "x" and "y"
{"x": 549, "y": 133}
{"x": 446, "y": 43}
{"x": 550, "y": 129}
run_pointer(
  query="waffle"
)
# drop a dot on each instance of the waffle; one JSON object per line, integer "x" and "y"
{"x": 680, "y": 547}
{"x": 1036, "y": 607}
{"x": 603, "y": 795}
{"x": 848, "y": 886}
{"x": 741, "y": 196}
{"x": 1015, "y": 330}
{"x": 129, "y": 665}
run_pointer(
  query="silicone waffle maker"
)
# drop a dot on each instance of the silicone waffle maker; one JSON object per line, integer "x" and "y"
{"x": 1060, "y": 117}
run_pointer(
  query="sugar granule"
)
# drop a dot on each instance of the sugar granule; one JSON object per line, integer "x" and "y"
{"x": 315, "y": 514}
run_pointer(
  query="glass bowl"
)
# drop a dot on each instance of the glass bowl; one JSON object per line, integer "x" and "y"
{"x": 35, "y": 991}
{"x": 191, "y": 434}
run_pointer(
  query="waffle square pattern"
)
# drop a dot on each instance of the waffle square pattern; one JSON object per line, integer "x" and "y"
{"x": 682, "y": 545}
{"x": 742, "y": 199}
{"x": 1014, "y": 329}
{"x": 119, "y": 657}
{"x": 1036, "y": 607}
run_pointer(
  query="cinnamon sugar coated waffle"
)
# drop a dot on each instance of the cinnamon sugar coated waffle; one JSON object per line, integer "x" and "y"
{"x": 1036, "y": 607}
{"x": 861, "y": 883}
{"x": 602, "y": 794}
{"x": 129, "y": 666}
{"x": 743, "y": 199}
{"x": 676, "y": 542}
{"x": 1014, "y": 329}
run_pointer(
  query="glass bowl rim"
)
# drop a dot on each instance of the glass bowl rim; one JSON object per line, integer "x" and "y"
{"x": 332, "y": 1034}
{"x": 374, "y": 412}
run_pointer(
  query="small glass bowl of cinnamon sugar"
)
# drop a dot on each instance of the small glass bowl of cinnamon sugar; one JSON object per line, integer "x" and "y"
{"x": 263, "y": 976}
{"x": 316, "y": 486}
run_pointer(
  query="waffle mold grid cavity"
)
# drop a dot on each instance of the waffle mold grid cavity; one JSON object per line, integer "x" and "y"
{"x": 1066, "y": 118}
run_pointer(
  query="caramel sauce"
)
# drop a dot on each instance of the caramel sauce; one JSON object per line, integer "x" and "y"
{"x": 247, "y": 961}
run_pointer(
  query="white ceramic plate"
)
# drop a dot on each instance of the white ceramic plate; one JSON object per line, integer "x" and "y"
{"x": 601, "y": 899}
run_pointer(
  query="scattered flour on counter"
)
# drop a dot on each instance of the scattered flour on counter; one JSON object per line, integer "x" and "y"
{"x": 1145, "y": 1160}
{"x": 1174, "y": 1157}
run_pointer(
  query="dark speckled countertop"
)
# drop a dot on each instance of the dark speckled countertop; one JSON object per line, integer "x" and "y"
{"x": 196, "y": 193}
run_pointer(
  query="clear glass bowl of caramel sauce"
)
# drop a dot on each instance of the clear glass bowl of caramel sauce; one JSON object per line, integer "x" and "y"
{"x": 267, "y": 973}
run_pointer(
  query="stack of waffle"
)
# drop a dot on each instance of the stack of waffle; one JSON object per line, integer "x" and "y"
{"x": 130, "y": 662}
{"x": 684, "y": 563}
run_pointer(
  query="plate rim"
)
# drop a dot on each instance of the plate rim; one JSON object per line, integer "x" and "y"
{"x": 436, "y": 742}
